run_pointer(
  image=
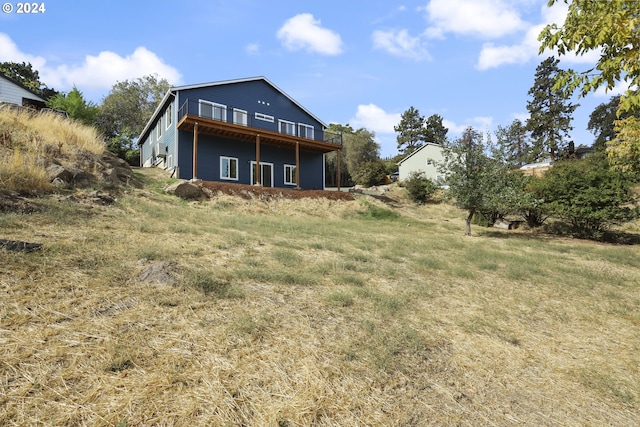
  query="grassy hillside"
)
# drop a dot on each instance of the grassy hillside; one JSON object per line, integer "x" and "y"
{"x": 309, "y": 312}
{"x": 30, "y": 141}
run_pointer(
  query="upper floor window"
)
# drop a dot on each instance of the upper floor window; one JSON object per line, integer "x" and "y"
{"x": 239, "y": 117}
{"x": 287, "y": 127}
{"x": 169, "y": 115}
{"x": 305, "y": 131}
{"x": 159, "y": 128}
{"x": 211, "y": 110}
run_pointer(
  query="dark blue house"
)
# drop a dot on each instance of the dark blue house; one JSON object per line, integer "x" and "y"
{"x": 244, "y": 131}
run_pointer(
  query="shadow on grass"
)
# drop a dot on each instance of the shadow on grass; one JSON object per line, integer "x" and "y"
{"x": 564, "y": 231}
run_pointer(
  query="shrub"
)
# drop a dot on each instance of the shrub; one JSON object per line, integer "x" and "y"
{"x": 588, "y": 194}
{"x": 420, "y": 188}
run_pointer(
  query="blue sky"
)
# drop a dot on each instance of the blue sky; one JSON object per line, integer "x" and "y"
{"x": 347, "y": 61}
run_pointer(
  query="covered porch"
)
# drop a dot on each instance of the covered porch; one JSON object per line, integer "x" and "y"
{"x": 215, "y": 123}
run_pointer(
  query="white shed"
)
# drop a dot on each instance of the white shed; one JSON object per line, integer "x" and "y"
{"x": 15, "y": 93}
{"x": 420, "y": 159}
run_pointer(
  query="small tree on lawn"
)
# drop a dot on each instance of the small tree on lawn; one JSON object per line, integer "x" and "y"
{"x": 470, "y": 174}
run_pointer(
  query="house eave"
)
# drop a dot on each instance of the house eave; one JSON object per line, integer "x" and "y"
{"x": 426, "y": 144}
{"x": 170, "y": 93}
{"x": 250, "y": 79}
{"x": 250, "y": 134}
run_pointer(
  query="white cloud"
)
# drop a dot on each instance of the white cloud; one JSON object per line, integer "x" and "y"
{"x": 95, "y": 72}
{"x": 400, "y": 43}
{"x": 484, "y": 18}
{"x": 9, "y": 52}
{"x": 374, "y": 118}
{"x": 107, "y": 68}
{"x": 480, "y": 124}
{"x": 492, "y": 56}
{"x": 303, "y": 31}
{"x": 619, "y": 89}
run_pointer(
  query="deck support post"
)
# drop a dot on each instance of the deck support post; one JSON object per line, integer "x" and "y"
{"x": 194, "y": 176}
{"x": 257, "y": 171}
{"x": 297, "y": 165}
{"x": 338, "y": 158}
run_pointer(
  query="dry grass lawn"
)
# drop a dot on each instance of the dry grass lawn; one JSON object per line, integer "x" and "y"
{"x": 310, "y": 313}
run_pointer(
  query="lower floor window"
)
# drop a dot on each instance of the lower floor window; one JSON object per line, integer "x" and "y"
{"x": 229, "y": 168}
{"x": 290, "y": 174}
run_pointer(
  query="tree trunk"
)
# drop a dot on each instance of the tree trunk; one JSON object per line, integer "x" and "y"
{"x": 468, "y": 221}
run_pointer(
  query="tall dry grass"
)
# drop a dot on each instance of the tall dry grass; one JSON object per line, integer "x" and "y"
{"x": 29, "y": 140}
{"x": 346, "y": 315}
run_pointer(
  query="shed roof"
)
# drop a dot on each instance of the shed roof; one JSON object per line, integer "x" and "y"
{"x": 21, "y": 86}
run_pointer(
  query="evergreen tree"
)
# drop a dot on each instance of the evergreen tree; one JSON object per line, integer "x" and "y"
{"x": 550, "y": 111}
{"x": 435, "y": 131}
{"x": 75, "y": 105}
{"x": 411, "y": 131}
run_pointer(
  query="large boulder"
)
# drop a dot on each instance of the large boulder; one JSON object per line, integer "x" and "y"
{"x": 185, "y": 190}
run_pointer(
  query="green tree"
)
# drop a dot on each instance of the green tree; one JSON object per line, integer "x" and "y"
{"x": 601, "y": 122}
{"x": 550, "y": 112}
{"x": 609, "y": 28}
{"x": 24, "y": 74}
{"x": 125, "y": 111}
{"x": 435, "y": 131}
{"x": 470, "y": 174}
{"x": 588, "y": 194}
{"x": 411, "y": 131}
{"x": 360, "y": 147}
{"x": 514, "y": 145}
{"x": 624, "y": 150}
{"x": 370, "y": 172}
{"x": 75, "y": 105}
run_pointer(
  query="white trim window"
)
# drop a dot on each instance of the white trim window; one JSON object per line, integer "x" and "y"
{"x": 212, "y": 110}
{"x": 169, "y": 161}
{"x": 305, "y": 131}
{"x": 159, "y": 128}
{"x": 290, "y": 175}
{"x": 169, "y": 115}
{"x": 265, "y": 117}
{"x": 229, "y": 168}
{"x": 287, "y": 127}
{"x": 239, "y": 117}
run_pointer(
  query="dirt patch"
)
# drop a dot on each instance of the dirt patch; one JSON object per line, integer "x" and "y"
{"x": 14, "y": 202}
{"x": 267, "y": 193}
